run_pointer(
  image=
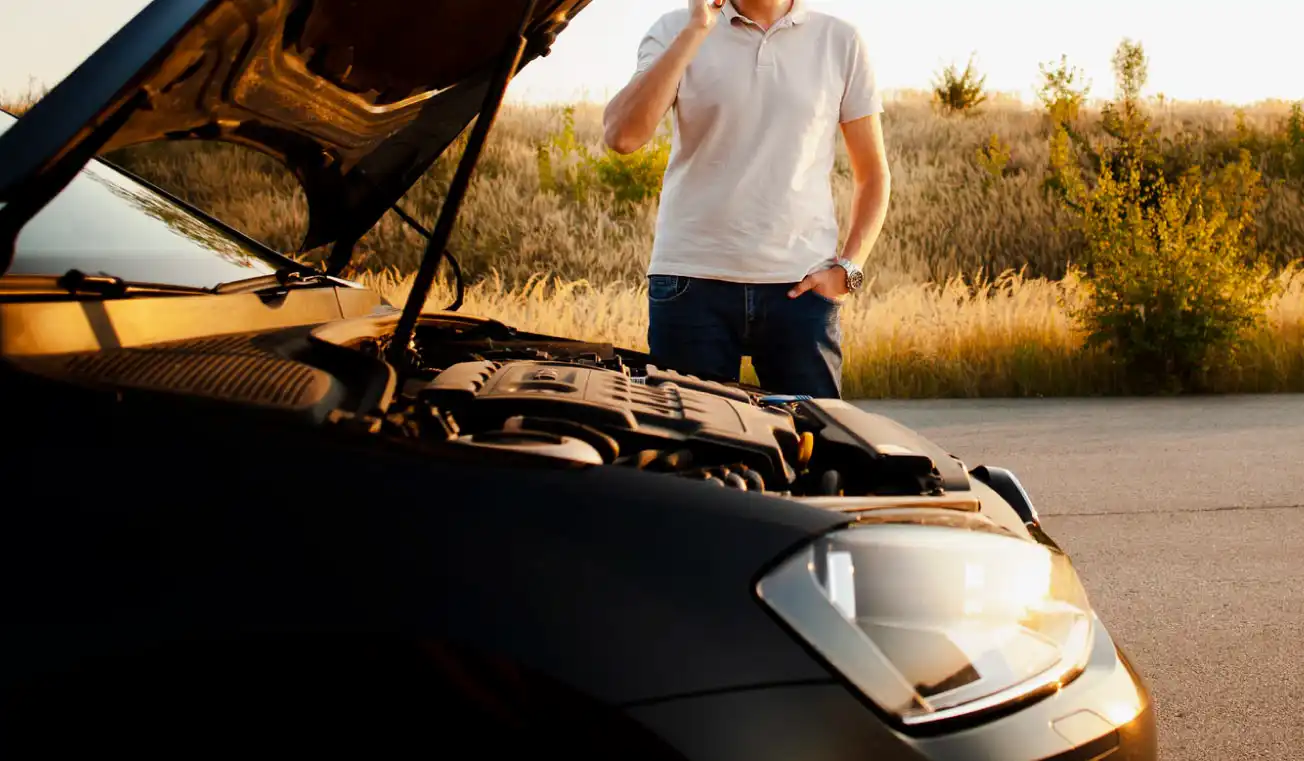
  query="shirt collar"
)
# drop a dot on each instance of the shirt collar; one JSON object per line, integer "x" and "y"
{"x": 796, "y": 15}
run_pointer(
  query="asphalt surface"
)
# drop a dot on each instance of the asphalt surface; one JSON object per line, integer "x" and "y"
{"x": 1185, "y": 518}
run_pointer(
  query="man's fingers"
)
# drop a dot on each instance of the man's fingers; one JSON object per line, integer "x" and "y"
{"x": 707, "y": 6}
{"x": 805, "y": 285}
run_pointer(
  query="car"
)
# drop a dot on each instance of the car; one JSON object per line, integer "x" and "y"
{"x": 251, "y": 507}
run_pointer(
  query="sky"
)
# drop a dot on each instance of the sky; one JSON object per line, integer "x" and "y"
{"x": 1198, "y": 49}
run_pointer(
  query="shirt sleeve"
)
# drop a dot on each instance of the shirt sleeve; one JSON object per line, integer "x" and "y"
{"x": 860, "y": 97}
{"x": 653, "y": 45}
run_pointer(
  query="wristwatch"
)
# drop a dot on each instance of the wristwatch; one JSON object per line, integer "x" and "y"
{"x": 855, "y": 275}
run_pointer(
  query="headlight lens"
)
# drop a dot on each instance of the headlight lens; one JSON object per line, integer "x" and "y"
{"x": 933, "y": 622}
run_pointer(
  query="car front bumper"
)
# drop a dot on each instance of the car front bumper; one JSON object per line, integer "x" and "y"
{"x": 1105, "y": 713}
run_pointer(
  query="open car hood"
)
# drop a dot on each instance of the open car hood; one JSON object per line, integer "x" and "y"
{"x": 356, "y": 97}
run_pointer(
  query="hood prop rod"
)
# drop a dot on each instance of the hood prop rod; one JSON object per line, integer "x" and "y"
{"x": 430, "y": 259}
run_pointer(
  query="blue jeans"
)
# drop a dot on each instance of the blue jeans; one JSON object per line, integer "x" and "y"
{"x": 706, "y": 327}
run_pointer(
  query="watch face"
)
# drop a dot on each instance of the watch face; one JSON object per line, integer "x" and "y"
{"x": 854, "y": 276}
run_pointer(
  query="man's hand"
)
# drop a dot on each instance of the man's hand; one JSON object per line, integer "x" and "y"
{"x": 830, "y": 283}
{"x": 705, "y": 12}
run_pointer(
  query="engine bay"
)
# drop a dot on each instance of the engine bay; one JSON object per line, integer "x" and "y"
{"x": 589, "y": 404}
{"x": 479, "y": 390}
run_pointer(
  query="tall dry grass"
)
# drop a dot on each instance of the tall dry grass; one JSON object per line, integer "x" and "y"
{"x": 1009, "y": 336}
{"x": 944, "y": 220}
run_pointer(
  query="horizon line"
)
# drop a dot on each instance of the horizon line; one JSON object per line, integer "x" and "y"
{"x": 582, "y": 96}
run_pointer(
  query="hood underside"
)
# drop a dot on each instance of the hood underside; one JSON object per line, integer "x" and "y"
{"x": 356, "y": 97}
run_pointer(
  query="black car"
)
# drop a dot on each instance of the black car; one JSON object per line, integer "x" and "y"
{"x": 250, "y": 508}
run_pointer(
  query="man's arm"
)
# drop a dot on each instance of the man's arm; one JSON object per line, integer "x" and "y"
{"x": 872, "y": 183}
{"x": 631, "y": 118}
{"x": 862, "y": 129}
{"x": 873, "y": 186}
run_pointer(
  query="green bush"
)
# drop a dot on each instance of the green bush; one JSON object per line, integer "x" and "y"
{"x": 1063, "y": 92}
{"x": 993, "y": 158}
{"x": 1133, "y": 144}
{"x": 1279, "y": 151}
{"x": 955, "y": 91}
{"x": 635, "y": 177}
{"x": 1175, "y": 280}
{"x": 566, "y": 165}
{"x": 1294, "y": 141}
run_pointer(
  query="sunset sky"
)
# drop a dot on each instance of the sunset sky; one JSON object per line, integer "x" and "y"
{"x": 1198, "y": 49}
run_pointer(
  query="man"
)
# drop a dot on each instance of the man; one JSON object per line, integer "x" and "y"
{"x": 746, "y": 259}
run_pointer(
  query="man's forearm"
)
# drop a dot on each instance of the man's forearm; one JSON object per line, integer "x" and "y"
{"x": 868, "y": 213}
{"x": 631, "y": 119}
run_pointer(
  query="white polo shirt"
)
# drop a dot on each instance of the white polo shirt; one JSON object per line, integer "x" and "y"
{"x": 748, "y": 193}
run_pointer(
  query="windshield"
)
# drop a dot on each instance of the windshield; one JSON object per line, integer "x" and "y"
{"x": 106, "y": 223}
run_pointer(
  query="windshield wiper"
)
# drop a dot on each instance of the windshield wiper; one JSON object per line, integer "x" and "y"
{"x": 281, "y": 280}
{"x": 78, "y": 283}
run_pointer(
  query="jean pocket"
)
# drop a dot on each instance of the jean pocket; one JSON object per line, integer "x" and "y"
{"x": 825, "y": 299}
{"x": 664, "y": 288}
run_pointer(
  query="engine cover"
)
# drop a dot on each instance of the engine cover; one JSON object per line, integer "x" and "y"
{"x": 661, "y": 411}
{"x": 684, "y": 424}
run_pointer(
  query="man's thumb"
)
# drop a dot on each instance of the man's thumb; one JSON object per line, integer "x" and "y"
{"x": 805, "y": 285}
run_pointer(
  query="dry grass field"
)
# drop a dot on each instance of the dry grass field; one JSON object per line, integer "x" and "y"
{"x": 1006, "y": 337}
{"x": 969, "y": 295}
{"x": 944, "y": 220}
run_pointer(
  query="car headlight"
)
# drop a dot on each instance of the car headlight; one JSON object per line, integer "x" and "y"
{"x": 937, "y": 619}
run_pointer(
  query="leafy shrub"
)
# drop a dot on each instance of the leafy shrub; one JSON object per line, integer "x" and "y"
{"x": 1175, "y": 284}
{"x": 635, "y": 177}
{"x": 1277, "y": 151}
{"x": 959, "y": 92}
{"x": 993, "y": 158}
{"x": 1282, "y": 150}
{"x": 1133, "y": 141}
{"x": 566, "y": 165}
{"x": 1175, "y": 280}
{"x": 1063, "y": 92}
{"x": 1295, "y": 139}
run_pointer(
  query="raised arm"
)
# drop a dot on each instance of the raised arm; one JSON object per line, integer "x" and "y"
{"x": 631, "y": 118}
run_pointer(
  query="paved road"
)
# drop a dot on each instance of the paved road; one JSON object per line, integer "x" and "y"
{"x": 1186, "y": 519}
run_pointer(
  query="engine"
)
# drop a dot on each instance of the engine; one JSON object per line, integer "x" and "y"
{"x": 603, "y": 412}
